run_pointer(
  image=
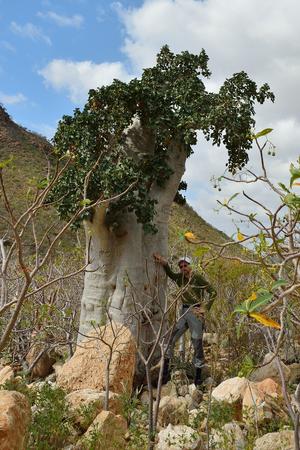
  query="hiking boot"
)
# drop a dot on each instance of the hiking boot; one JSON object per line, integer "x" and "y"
{"x": 166, "y": 372}
{"x": 198, "y": 377}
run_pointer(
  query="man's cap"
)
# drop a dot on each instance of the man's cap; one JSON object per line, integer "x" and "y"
{"x": 186, "y": 259}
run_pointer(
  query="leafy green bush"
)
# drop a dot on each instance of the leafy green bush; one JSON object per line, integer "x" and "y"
{"x": 50, "y": 427}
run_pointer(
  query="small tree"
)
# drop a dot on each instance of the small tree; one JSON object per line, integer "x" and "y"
{"x": 273, "y": 245}
{"x": 27, "y": 248}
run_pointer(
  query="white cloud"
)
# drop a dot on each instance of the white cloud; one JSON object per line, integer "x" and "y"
{"x": 262, "y": 38}
{"x": 30, "y": 31}
{"x": 12, "y": 99}
{"x": 7, "y": 46}
{"x": 74, "y": 21}
{"x": 43, "y": 129}
{"x": 78, "y": 77}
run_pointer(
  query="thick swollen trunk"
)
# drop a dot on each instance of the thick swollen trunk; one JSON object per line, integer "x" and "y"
{"x": 122, "y": 275}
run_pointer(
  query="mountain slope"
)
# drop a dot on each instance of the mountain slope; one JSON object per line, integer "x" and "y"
{"x": 30, "y": 152}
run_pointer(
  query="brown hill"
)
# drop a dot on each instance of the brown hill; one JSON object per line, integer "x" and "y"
{"x": 30, "y": 154}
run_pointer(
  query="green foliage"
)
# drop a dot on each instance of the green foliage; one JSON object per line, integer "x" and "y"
{"x": 217, "y": 414}
{"x": 91, "y": 441}
{"x": 50, "y": 427}
{"x": 246, "y": 367}
{"x": 136, "y": 415}
{"x": 262, "y": 133}
{"x": 6, "y": 162}
{"x": 87, "y": 413}
{"x": 171, "y": 102}
{"x": 19, "y": 385}
{"x": 253, "y": 305}
{"x": 295, "y": 174}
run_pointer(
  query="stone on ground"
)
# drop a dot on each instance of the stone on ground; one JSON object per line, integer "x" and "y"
{"x": 257, "y": 401}
{"x": 178, "y": 437}
{"x": 281, "y": 440}
{"x": 269, "y": 369}
{"x": 6, "y": 374}
{"x": 15, "y": 415}
{"x": 86, "y": 404}
{"x": 44, "y": 365}
{"x": 230, "y": 437}
{"x": 87, "y": 367}
{"x": 107, "y": 432}
{"x": 231, "y": 390}
{"x": 173, "y": 410}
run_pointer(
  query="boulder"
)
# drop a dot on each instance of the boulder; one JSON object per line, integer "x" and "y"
{"x": 87, "y": 367}
{"x": 173, "y": 410}
{"x": 181, "y": 382}
{"x": 6, "y": 374}
{"x": 294, "y": 373}
{"x": 178, "y": 437}
{"x": 106, "y": 432}
{"x": 167, "y": 389}
{"x": 290, "y": 352}
{"x": 44, "y": 365}
{"x": 86, "y": 404}
{"x": 229, "y": 437}
{"x": 15, "y": 415}
{"x": 258, "y": 401}
{"x": 281, "y": 440}
{"x": 196, "y": 396}
{"x": 231, "y": 390}
{"x": 269, "y": 369}
{"x": 210, "y": 338}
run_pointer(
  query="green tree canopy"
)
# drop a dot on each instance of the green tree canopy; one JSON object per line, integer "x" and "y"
{"x": 172, "y": 103}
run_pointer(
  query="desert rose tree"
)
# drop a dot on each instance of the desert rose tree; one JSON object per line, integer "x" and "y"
{"x": 134, "y": 138}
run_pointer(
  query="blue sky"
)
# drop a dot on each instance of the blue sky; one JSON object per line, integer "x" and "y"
{"x": 41, "y": 31}
{"x": 53, "y": 51}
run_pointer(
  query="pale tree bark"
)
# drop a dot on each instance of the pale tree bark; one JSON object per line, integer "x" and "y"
{"x": 121, "y": 264}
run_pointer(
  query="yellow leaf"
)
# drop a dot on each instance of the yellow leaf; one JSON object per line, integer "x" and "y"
{"x": 265, "y": 320}
{"x": 252, "y": 297}
{"x": 190, "y": 237}
{"x": 240, "y": 236}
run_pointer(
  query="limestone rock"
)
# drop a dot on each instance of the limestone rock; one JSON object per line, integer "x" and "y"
{"x": 111, "y": 430}
{"x": 294, "y": 373}
{"x": 172, "y": 410}
{"x": 231, "y": 390}
{"x": 44, "y": 366}
{"x": 210, "y": 338}
{"x": 290, "y": 352}
{"x": 270, "y": 370}
{"x": 230, "y": 437}
{"x": 256, "y": 402}
{"x": 86, "y": 404}
{"x": 281, "y": 440}
{"x": 57, "y": 367}
{"x": 145, "y": 398}
{"x": 6, "y": 374}
{"x": 178, "y": 437}
{"x": 15, "y": 417}
{"x": 166, "y": 389}
{"x": 87, "y": 367}
{"x": 196, "y": 396}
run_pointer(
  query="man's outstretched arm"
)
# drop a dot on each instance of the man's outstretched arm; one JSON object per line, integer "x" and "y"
{"x": 164, "y": 263}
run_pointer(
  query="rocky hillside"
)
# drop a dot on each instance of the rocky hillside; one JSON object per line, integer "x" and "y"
{"x": 30, "y": 158}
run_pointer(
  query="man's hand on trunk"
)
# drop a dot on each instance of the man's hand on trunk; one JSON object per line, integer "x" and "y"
{"x": 160, "y": 259}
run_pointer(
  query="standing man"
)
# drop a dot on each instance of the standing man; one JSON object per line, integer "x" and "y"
{"x": 193, "y": 286}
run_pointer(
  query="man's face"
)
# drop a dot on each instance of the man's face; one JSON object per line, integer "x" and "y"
{"x": 185, "y": 268}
